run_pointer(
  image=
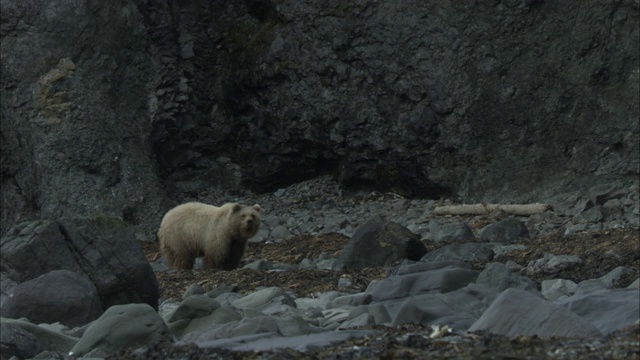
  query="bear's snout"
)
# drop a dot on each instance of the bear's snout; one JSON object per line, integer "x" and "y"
{"x": 251, "y": 224}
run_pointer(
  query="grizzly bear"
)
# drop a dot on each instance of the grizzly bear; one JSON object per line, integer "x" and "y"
{"x": 219, "y": 234}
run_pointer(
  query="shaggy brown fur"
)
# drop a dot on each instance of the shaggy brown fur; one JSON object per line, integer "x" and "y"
{"x": 219, "y": 234}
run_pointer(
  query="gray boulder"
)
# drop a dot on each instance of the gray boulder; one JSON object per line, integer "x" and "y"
{"x": 122, "y": 326}
{"x": 270, "y": 341}
{"x": 265, "y": 298}
{"x": 199, "y": 325}
{"x": 507, "y": 231}
{"x": 439, "y": 280}
{"x": 247, "y": 326}
{"x": 6, "y": 287}
{"x": 429, "y": 265}
{"x": 379, "y": 242}
{"x": 351, "y": 300}
{"x": 377, "y": 313}
{"x": 103, "y": 249}
{"x": 39, "y": 338}
{"x": 290, "y": 323}
{"x": 193, "y": 289}
{"x": 608, "y": 310}
{"x": 552, "y": 264}
{"x": 554, "y": 289}
{"x": 461, "y": 252}
{"x": 459, "y": 309}
{"x": 194, "y": 306}
{"x": 17, "y": 342}
{"x": 499, "y": 277}
{"x": 607, "y": 281}
{"x": 57, "y": 296}
{"x": 517, "y": 312}
{"x": 456, "y": 232}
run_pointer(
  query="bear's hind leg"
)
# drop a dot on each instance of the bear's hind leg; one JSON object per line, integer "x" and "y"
{"x": 168, "y": 254}
{"x": 184, "y": 261}
{"x": 176, "y": 260}
{"x": 209, "y": 262}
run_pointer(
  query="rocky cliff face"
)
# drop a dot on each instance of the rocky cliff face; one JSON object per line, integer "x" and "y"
{"x": 76, "y": 76}
{"x": 108, "y": 107}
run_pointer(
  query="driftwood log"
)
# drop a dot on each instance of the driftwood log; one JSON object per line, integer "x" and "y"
{"x": 483, "y": 209}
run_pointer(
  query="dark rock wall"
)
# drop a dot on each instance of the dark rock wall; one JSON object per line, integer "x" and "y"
{"x": 476, "y": 99}
{"x": 76, "y": 76}
{"x": 485, "y": 101}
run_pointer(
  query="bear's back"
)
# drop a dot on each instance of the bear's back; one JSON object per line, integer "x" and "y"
{"x": 191, "y": 212}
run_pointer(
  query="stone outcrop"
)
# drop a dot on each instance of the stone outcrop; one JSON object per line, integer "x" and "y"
{"x": 75, "y": 117}
{"x": 104, "y": 251}
{"x": 107, "y": 108}
{"x": 484, "y": 100}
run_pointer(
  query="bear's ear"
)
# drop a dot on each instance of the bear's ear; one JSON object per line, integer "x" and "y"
{"x": 236, "y": 208}
{"x": 257, "y": 207}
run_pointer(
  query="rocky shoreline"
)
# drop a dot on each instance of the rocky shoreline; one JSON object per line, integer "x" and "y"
{"x": 559, "y": 273}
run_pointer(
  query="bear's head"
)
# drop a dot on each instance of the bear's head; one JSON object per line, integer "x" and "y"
{"x": 246, "y": 219}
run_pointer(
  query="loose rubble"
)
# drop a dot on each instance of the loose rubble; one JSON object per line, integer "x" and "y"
{"x": 451, "y": 278}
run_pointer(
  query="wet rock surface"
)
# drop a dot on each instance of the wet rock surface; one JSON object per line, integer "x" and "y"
{"x": 288, "y": 300}
{"x": 411, "y": 298}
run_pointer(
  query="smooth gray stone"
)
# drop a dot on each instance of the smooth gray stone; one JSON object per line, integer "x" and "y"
{"x": 7, "y": 284}
{"x": 508, "y": 231}
{"x": 264, "y": 298}
{"x": 279, "y": 233}
{"x": 608, "y": 310}
{"x": 438, "y": 280}
{"x": 456, "y": 232}
{"x": 104, "y": 249}
{"x": 499, "y": 277}
{"x": 303, "y": 343}
{"x": 430, "y": 265}
{"x": 499, "y": 249}
{"x": 351, "y": 300}
{"x": 220, "y": 316}
{"x": 246, "y": 326}
{"x": 461, "y": 252}
{"x": 557, "y": 288}
{"x": 122, "y": 326}
{"x": 259, "y": 265}
{"x": 193, "y": 289}
{"x": 607, "y": 281}
{"x": 560, "y": 262}
{"x": 18, "y": 342}
{"x": 58, "y": 296}
{"x": 321, "y": 302}
{"x": 177, "y": 328}
{"x": 517, "y": 312}
{"x": 194, "y": 306}
{"x": 48, "y": 339}
{"x": 459, "y": 309}
{"x": 360, "y": 321}
{"x": 379, "y": 242}
{"x": 292, "y": 324}
{"x": 227, "y": 299}
{"x": 222, "y": 289}
{"x": 552, "y": 264}
{"x": 333, "y": 316}
{"x": 377, "y": 311}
